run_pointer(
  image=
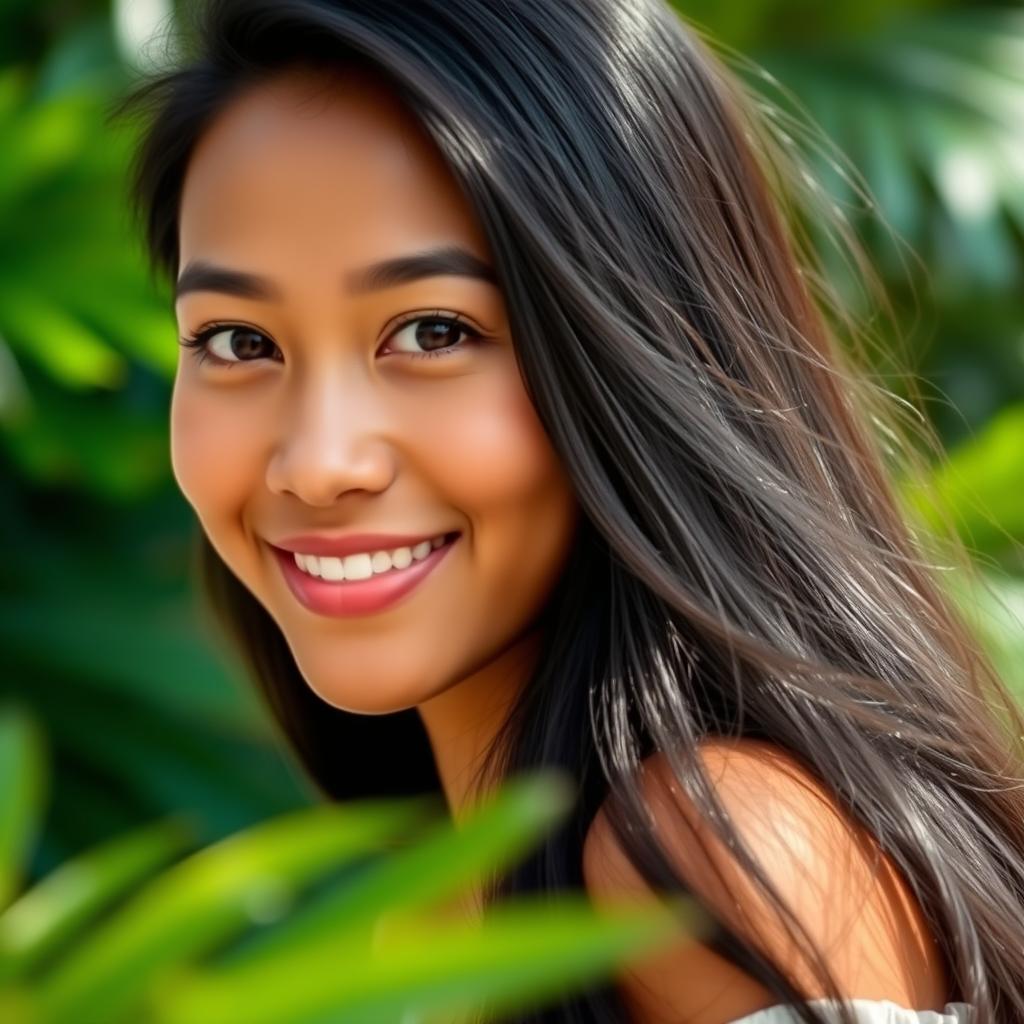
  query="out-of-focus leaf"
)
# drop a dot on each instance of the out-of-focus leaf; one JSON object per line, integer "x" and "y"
{"x": 518, "y": 956}
{"x": 939, "y": 98}
{"x": 447, "y": 861}
{"x": 15, "y": 400}
{"x": 76, "y": 302}
{"x": 95, "y": 441}
{"x": 212, "y": 896}
{"x": 13, "y": 88}
{"x": 84, "y": 58}
{"x": 104, "y": 641}
{"x": 960, "y": 163}
{"x": 73, "y": 894}
{"x": 888, "y": 165}
{"x": 23, "y": 785}
{"x": 996, "y": 611}
{"x": 17, "y": 1006}
{"x": 172, "y": 763}
{"x": 981, "y": 484}
{"x": 73, "y": 354}
{"x": 46, "y": 137}
{"x": 451, "y": 859}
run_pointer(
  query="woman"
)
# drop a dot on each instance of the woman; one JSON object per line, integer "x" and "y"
{"x": 543, "y": 453}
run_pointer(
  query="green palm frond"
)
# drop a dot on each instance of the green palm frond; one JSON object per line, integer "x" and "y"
{"x": 927, "y": 112}
{"x": 131, "y": 931}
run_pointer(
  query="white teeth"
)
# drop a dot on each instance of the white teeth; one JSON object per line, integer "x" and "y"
{"x": 357, "y": 567}
{"x": 365, "y": 564}
{"x": 381, "y": 561}
{"x": 331, "y": 568}
{"x": 401, "y": 558}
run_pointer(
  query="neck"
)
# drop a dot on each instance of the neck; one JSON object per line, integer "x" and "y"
{"x": 463, "y": 721}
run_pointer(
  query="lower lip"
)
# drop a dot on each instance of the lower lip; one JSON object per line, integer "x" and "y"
{"x": 358, "y": 597}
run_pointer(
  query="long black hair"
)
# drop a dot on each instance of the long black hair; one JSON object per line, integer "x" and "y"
{"x": 743, "y": 566}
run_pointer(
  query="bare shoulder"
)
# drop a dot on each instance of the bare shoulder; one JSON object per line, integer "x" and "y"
{"x": 854, "y": 904}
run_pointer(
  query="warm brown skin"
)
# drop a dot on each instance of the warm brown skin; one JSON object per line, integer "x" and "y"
{"x": 868, "y": 925}
{"x": 302, "y": 184}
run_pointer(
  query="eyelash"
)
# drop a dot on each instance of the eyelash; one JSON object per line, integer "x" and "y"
{"x": 198, "y": 342}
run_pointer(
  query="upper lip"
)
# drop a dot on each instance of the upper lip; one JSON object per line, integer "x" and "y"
{"x": 353, "y": 543}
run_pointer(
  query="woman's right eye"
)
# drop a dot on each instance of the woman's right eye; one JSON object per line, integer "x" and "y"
{"x": 236, "y": 344}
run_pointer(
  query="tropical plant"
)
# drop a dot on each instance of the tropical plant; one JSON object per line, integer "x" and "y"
{"x": 325, "y": 914}
{"x": 916, "y": 120}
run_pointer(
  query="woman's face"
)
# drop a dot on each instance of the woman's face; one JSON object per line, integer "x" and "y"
{"x": 318, "y": 412}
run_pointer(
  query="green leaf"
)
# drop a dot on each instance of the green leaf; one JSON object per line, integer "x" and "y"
{"x": 94, "y": 441}
{"x": 447, "y": 861}
{"x": 996, "y": 612}
{"x": 73, "y": 353}
{"x": 519, "y": 955}
{"x": 980, "y": 486}
{"x": 961, "y": 164}
{"x": 935, "y": 99}
{"x": 881, "y": 152}
{"x": 499, "y": 832}
{"x": 73, "y": 894}
{"x": 47, "y": 137}
{"x": 212, "y": 896}
{"x": 24, "y": 775}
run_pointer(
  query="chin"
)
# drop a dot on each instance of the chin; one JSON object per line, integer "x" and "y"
{"x": 368, "y": 693}
{"x": 368, "y": 706}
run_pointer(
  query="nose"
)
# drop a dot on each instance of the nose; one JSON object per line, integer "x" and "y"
{"x": 332, "y": 440}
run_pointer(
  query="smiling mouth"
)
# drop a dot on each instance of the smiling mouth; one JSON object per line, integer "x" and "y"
{"x": 366, "y": 596}
{"x": 365, "y": 566}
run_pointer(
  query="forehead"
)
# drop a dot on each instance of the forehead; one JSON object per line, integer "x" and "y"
{"x": 310, "y": 165}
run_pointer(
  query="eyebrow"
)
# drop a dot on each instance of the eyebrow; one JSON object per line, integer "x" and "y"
{"x": 203, "y": 276}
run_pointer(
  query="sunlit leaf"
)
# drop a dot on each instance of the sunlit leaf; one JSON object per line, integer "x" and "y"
{"x": 996, "y": 611}
{"x": 937, "y": 97}
{"x": 210, "y": 897}
{"x": 516, "y": 957}
{"x": 981, "y": 484}
{"x": 445, "y": 862}
{"x": 73, "y": 894}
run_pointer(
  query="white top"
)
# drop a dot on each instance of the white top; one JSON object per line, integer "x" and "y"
{"x": 867, "y": 1011}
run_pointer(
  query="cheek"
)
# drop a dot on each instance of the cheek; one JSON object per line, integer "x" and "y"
{"x": 484, "y": 439}
{"x": 211, "y": 458}
{"x": 500, "y": 469}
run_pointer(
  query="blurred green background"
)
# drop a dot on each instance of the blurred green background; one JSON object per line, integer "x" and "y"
{"x": 103, "y": 643}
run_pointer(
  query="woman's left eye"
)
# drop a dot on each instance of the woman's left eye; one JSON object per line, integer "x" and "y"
{"x": 437, "y": 333}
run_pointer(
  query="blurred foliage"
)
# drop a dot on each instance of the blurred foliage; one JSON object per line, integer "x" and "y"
{"x": 89, "y": 345}
{"x": 926, "y": 113}
{"x": 307, "y": 917}
{"x": 915, "y": 112}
